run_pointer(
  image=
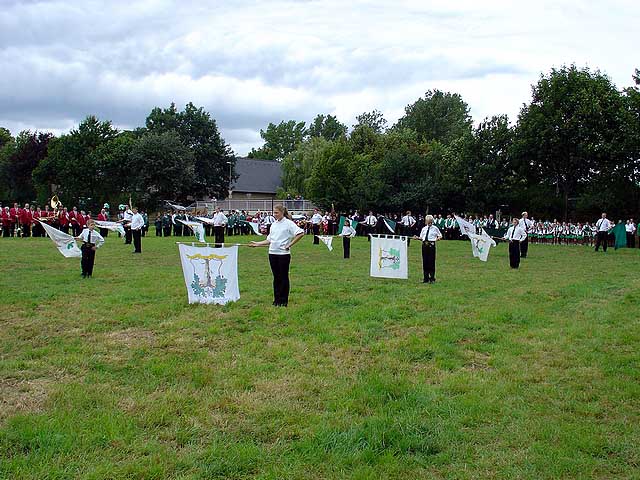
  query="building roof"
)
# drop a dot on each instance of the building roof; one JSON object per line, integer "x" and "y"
{"x": 257, "y": 176}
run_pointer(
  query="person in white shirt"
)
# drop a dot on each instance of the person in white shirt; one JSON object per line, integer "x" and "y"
{"x": 515, "y": 236}
{"x": 429, "y": 235}
{"x": 407, "y": 223}
{"x": 316, "y": 220}
{"x": 630, "y": 228}
{"x": 219, "y": 223}
{"x": 91, "y": 240}
{"x": 526, "y": 225}
{"x": 602, "y": 228}
{"x": 126, "y": 219}
{"x": 347, "y": 233}
{"x": 136, "y": 225}
{"x": 370, "y": 222}
{"x": 283, "y": 235}
{"x": 268, "y": 220}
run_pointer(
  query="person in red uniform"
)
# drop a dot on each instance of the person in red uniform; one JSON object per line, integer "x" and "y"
{"x": 102, "y": 217}
{"x": 81, "y": 218}
{"x": 73, "y": 222}
{"x": 37, "y": 229}
{"x": 63, "y": 220}
{"x": 15, "y": 218}
{"x": 25, "y": 221}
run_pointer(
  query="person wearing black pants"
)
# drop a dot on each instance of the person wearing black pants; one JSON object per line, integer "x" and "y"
{"x": 526, "y": 225}
{"x": 282, "y": 236}
{"x": 429, "y": 235}
{"x": 515, "y": 235}
{"x": 346, "y": 234}
{"x": 91, "y": 240}
{"x": 316, "y": 219}
{"x": 602, "y": 227}
{"x": 136, "y": 226}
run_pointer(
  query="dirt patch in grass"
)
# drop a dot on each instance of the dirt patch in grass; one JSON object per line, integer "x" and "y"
{"x": 23, "y": 395}
{"x": 132, "y": 337}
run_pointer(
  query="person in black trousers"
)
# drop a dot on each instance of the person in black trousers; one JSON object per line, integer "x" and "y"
{"x": 91, "y": 240}
{"x": 429, "y": 235}
{"x": 346, "y": 234}
{"x": 515, "y": 235}
{"x": 283, "y": 235}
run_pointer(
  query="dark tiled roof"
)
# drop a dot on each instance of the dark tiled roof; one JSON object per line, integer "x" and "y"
{"x": 257, "y": 176}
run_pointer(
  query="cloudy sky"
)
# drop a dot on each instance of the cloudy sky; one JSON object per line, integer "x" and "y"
{"x": 251, "y": 63}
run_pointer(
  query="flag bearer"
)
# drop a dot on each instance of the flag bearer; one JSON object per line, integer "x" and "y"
{"x": 429, "y": 235}
{"x": 515, "y": 235}
{"x": 91, "y": 240}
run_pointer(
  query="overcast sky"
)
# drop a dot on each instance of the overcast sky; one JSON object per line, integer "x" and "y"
{"x": 251, "y": 63}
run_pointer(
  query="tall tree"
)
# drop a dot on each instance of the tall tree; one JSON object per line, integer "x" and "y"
{"x": 29, "y": 149}
{"x": 573, "y": 131}
{"x": 298, "y": 165}
{"x": 438, "y": 116}
{"x": 374, "y": 120}
{"x": 280, "y": 140}
{"x": 70, "y": 166}
{"x": 328, "y": 127}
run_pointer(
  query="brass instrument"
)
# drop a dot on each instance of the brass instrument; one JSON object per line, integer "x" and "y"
{"x": 55, "y": 203}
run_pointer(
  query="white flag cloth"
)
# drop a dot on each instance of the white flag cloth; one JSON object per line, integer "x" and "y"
{"x": 205, "y": 220}
{"x": 465, "y": 227}
{"x": 112, "y": 226}
{"x": 255, "y": 226}
{"x": 327, "y": 240}
{"x": 197, "y": 228}
{"x": 389, "y": 257}
{"x": 210, "y": 274}
{"x": 65, "y": 243}
{"x": 480, "y": 244}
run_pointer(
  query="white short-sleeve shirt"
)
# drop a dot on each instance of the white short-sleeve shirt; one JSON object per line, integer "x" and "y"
{"x": 282, "y": 233}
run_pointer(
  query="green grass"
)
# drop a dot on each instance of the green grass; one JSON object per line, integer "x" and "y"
{"x": 489, "y": 373}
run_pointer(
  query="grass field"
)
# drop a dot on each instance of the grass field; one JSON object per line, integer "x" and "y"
{"x": 489, "y": 373}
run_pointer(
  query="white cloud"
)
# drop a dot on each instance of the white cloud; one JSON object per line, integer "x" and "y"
{"x": 249, "y": 63}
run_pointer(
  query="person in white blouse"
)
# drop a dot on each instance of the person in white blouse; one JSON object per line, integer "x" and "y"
{"x": 370, "y": 222}
{"x": 136, "y": 225}
{"x": 515, "y": 235}
{"x": 526, "y": 225}
{"x": 630, "y": 228}
{"x": 316, "y": 220}
{"x": 603, "y": 225}
{"x": 91, "y": 240}
{"x": 347, "y": 233}
{"x": 429, "y": 235}
{"x": 283, "y": 235}
{"x": 219, "y": 223}
{"x": 407, "y": 223}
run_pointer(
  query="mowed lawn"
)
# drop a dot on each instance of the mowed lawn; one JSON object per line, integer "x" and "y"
{"x": 489, "y": 373}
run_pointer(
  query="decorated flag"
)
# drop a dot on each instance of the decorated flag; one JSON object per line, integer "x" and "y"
{"x": 480, "y": 244}
{"x": 205, "y": 220}
{"x": 196, "y": 227}
{"x": 65, "y": 243}
{"x": 255, "y": 226}
{"x": 210, "y": 274}
{"x": 354, "y": 224}
{"x": 390, "y": 224}
{"x": 112, "y": 226}
{"x": 327, "y": 240}
{"x": 389, "y": 257}
{"x": 620, "y": 234}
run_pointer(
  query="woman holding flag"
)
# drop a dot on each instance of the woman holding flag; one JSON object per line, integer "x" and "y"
{"x": 282, "y": 236}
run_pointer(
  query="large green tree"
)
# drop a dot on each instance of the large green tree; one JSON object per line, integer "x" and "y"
{"x": 328, "y": 127}
{"x": 22, "y": 156}
{"x": 573, "y": 132}
{"x": 280, "y": 140}
{"x": 70, "y": 168}
{"x": 438, "y": 116}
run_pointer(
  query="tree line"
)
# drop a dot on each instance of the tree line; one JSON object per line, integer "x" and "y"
{"x": 572, "y": 152}
{"x": 177, "y": 155}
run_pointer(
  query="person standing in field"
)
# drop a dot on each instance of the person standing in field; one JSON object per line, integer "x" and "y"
{"x": 515, "y": 235}
{"x": 284, "y": 234}
{"x": 429, "y": 235}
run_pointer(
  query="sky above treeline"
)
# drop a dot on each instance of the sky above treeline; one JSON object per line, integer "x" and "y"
{"x": 251, "y": 63}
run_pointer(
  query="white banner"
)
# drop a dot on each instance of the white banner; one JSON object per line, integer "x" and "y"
{"x": 65, "y": 243}
{"x": 327, "y": 241}
{"x": 113, "y": 226}
{"x": 210, "y": 274}
{"x": 196, "y": 227}
{"x": 480, "y": 245}
{"x": 389, "y": 257}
